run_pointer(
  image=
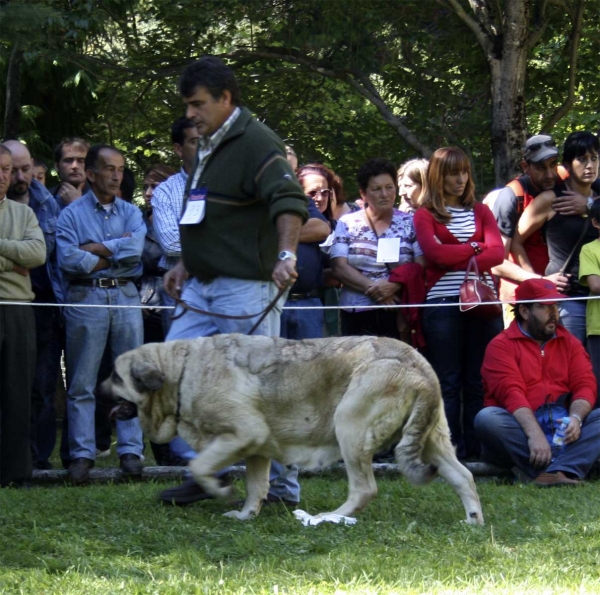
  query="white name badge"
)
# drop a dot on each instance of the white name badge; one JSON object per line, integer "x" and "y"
{"x": 195, "y": 208}
{"x": 388, "y": 250}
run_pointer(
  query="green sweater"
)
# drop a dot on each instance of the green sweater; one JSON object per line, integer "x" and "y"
{"x": 22, "y": 243}
{"x": 249, "y": 184}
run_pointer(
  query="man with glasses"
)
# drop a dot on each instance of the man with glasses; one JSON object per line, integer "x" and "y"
{"x": 541, "y": 172}
{"x": 533, "y": 362}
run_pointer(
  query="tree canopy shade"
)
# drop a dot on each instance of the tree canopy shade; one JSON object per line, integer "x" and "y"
{"x": 343, "y": 80}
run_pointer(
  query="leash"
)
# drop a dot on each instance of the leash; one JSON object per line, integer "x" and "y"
{"x": 262, "y": 314}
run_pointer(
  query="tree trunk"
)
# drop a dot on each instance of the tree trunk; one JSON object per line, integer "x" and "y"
{"x": 12, "y": 111}
{"x": 508, "y": 72}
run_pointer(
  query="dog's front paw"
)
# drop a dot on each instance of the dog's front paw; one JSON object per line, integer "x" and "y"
{"x": 240, "y": 515}
{"x": 475, "y": 518}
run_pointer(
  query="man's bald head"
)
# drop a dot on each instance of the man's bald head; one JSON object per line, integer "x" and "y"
{"x": 22, "y": 169}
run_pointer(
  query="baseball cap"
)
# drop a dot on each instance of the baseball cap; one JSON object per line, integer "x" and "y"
{"x": 537, "y": 289}
{"x": 539, "y": 147}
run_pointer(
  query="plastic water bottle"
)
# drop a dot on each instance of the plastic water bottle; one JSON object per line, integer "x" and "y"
{"x": 558, "y": 440}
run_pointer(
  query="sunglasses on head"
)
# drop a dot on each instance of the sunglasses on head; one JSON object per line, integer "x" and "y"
{"x": 325, "y": 193}
{"x": 538, "y": 146}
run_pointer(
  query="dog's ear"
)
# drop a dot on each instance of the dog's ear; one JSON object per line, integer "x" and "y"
{"x": 146, "y": 376}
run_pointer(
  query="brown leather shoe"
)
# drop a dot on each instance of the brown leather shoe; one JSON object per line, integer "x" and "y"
{"x": 558, "y": 478}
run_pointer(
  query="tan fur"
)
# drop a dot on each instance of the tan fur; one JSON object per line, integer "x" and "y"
{"x": 307, "y": 402}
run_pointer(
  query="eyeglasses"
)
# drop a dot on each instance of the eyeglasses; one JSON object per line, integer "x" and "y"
{"x": 537, "y": 146}
{"x": 325, "y": 193}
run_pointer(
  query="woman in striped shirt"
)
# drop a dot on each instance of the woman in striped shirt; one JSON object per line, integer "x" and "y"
{"x": 451, "y": 228}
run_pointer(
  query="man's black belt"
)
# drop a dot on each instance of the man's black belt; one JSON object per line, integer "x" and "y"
{"x": 103, "y": 282}
{"x": 294, "y": 297}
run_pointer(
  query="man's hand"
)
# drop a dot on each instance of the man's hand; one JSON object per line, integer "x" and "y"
{"x": 540, "y": 453}
{"x": 561, "y": 281}
{"x": 68, "y": 193}
{"x": 174, "y": 279}
{"x": 382, "y": 290}
{"x": 570, "y": 203}
{"x": 285, "y": 273}
{"x": 102, "y": 264}
{"x": 573, "y": 431}
{"x": 20, "y": 270}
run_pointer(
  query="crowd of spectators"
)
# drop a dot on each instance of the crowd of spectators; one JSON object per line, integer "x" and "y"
{"x": 407, "y": 240}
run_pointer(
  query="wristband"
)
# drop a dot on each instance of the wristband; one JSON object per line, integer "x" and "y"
{"x": 577, "y": 418}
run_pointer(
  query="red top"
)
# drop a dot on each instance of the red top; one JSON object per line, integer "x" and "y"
{"x": 449, "y": 254}
{"x": 518, "y": 373}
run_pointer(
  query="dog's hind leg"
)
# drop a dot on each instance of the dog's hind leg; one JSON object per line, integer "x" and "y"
{"x": 358, "y": 459}
{"x": 257, "y": 487}
{"x": 441, "y": 453}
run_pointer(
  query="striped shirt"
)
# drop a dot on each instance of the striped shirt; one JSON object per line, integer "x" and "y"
{"x": 167, "y": 202}
{"x": 354, "y": 239}
{"x": 462, "y": 227}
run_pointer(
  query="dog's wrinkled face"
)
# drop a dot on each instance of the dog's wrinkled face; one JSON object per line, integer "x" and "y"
{"x": 135, "y": 386}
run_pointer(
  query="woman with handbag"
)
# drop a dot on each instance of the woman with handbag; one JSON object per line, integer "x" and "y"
{"x": 457, "y": 234}
{"x": 566, "y": 234}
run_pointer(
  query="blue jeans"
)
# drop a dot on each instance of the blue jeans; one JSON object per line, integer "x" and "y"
{"x": 505, "y": 444}
{"x": 456, "y": 343}
{"x": 572, "y": 317}
{"x": 232, "y": 296}
{"x": 89, "y": 330}
{"x": 302, "y": 324}
{"x": 49, "y": 340}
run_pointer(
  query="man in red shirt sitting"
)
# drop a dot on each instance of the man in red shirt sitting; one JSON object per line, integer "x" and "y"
{"x": 535, "y": 361}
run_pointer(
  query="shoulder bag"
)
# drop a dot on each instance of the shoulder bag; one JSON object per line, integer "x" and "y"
{"x": 475, "y": 295}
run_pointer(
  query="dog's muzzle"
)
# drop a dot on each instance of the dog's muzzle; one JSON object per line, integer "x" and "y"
{"x": 124, "y": 411}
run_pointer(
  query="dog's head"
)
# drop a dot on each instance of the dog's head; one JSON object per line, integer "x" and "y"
{"x": 135, "y": 388}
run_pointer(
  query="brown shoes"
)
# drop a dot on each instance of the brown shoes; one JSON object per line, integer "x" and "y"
{"x": 558, "y": 478}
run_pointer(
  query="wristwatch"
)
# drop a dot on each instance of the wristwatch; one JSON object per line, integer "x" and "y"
{"x": 476, "y": 247}
{"x": 286, "y": 255}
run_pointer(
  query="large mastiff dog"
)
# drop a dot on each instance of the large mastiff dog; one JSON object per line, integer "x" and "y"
{"x": 307, "y": 402}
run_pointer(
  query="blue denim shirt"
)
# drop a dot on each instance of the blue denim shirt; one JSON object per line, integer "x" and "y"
{"x": 46, "y": 280}
{"x": 85, "y": 221}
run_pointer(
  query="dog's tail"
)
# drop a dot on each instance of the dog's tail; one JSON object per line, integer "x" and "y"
{"x": 422, "y": 422}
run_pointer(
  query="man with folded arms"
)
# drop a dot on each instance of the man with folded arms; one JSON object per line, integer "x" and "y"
{"x": 533, "y": 362}
{"x": 100, "y": 240}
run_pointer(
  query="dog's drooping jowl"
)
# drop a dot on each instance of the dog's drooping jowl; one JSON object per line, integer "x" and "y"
{"x": 310, "y": 402}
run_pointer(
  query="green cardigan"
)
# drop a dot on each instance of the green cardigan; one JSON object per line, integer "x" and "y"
{"x": 249, "y": 183}
{"x": 21, "y": 242}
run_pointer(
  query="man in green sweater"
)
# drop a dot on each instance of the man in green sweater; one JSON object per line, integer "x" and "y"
{"x": 242, "y": 214}
{"x": 22, "y": 247}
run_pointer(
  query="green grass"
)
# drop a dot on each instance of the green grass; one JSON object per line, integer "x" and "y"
{"x": 119, "y": 539}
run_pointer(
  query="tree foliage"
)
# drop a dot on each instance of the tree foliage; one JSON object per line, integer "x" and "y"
{"x": 343, "y": 80}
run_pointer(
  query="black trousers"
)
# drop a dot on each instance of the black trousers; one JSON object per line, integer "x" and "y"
{"x": 17, "y": 369}
{"x": 379, "y": 323}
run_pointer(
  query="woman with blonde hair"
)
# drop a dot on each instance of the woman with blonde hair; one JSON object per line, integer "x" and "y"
{"x": 412, "y": 180}
{"x": 452, "y": 227}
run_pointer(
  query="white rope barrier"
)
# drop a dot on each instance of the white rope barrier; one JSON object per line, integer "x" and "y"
{"x": 452, "y": 304}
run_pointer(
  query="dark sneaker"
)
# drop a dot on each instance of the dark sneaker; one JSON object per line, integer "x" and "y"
{"x": 131, "y": 465}
{"x": 42, "y": 465}
{"x": 186, "y": 493}
{"x": 79, "y": 470}
{"x": 271, "y": 499}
